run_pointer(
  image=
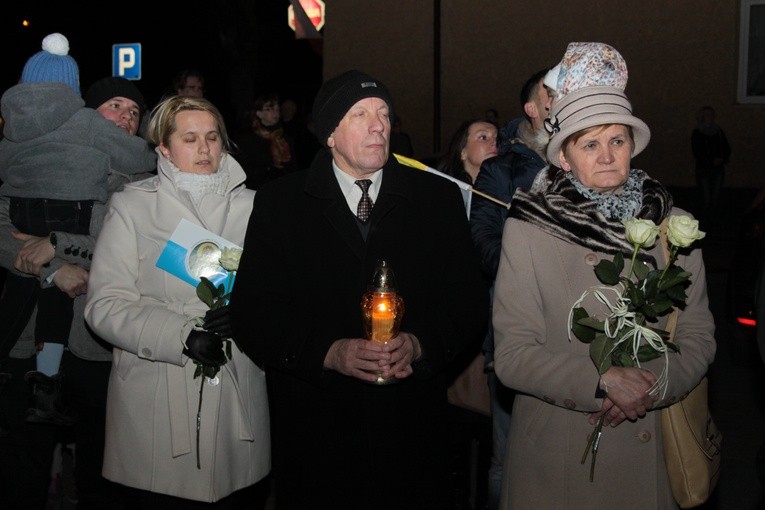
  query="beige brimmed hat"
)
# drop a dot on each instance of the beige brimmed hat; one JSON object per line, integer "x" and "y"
{"x": 589, "y": 84}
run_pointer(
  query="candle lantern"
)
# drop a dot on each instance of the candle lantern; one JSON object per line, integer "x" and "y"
{"x": 382, "y": 308}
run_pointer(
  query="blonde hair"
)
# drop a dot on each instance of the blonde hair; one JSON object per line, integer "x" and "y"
{"x": 162, "y": 124}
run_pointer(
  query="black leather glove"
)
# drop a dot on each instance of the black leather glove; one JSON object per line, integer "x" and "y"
{"x": 219, "y": 322}
{"x": 206, "y": 348}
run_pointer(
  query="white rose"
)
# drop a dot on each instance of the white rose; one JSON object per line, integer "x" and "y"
{"x": 641, "y": 232}
{"x": 229, "y": 258}
{"x": 682, "y": 231}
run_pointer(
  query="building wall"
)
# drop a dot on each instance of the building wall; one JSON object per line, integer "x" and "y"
{"x": 680, "y": 54}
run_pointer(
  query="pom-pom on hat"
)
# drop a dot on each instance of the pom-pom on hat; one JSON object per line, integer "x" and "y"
{"x": 339, "y": 94}
{"x": 112, "y": 86}
{"x": 589, "y": 84}
{"x": 53, "y": 64}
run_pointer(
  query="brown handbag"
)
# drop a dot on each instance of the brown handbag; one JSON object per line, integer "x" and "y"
{"x": 692, "y": 441}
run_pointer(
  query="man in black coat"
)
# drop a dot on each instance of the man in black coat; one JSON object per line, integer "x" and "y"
{"x": 339, "y": 440}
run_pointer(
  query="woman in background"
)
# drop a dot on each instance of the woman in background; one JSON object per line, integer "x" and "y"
{"x": 472, "y": 143}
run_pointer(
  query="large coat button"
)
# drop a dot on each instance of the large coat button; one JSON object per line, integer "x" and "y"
{"x": 549, "y": 400}
{"x": 569, "y": 403}
{"x": 146, "y": 352}
{"x": 644, "y": 436}
{"x": 591, "y": 259}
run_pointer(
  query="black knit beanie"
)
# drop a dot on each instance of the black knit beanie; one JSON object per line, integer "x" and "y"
{"x": 112, "y": 86}
{"x": 339, "y": 94}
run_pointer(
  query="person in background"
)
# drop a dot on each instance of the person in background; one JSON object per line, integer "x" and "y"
{"x": 296, "y": 128}
{"x": 521, "y": 157}
{"x": 471, "y": 144}
{"x": 150, "y": 317}
{"x": 87, "y": 361}
{"x": 189, "y": 82}
{"x": 492, "y": 116}
{"x": 400, "y": 141}
{"x": 55, "y": 164}
{"x": 296, "y": 307}
{"x": 265, "y": 150}
{"x": 711, "y": 151}
{"x": 567, "y": 227}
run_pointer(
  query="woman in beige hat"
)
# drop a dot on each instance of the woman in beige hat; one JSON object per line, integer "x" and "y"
{"x": 555, "y": 235}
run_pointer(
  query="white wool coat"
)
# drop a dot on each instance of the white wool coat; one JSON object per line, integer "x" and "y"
{"x": 147, "y": 313}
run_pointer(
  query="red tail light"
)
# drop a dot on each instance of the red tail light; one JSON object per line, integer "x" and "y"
{"x": 744, "y": 321}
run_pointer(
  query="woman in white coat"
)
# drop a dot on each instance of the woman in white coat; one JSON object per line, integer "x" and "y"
{"x": 149, "y": 316}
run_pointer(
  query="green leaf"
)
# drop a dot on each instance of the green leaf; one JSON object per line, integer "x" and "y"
{"x": 206, "y": 291}
{"x": 635, "y": 295}
{"x": 641, "y": 270}
{"x": 606, "y": 272}
{"x": 647, "y": 353}
{"x": 673, "y": 347}
{"x": 662, "y": 303}
{"x": 600, "y": 352}
{"x": 675, "y": 276}
{"x": 619, "y": 263}
{"x": 592, "y": 322}
{"x": 583, "y": 333}
{"x": 649, "y": 311}
{"x": 651, "y": 285}
{"x": 677, "y": 294}
{"x": 662, "y": 333}
{"x": 624, "y": 360}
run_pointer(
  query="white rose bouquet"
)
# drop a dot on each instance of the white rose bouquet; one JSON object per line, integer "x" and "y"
{"x": 626, "y": 338}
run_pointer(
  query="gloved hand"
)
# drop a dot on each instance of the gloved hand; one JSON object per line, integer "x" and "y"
{"x": 206, "y": 348}
{"x": 219, "y": 322}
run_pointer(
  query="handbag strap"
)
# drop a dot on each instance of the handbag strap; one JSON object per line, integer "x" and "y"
{"x": 664, "y": 241}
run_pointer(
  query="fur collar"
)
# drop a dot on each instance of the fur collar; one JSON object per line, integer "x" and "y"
{"x": 561, "y": 211}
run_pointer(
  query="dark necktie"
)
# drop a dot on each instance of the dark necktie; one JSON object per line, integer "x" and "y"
{"x": 365, "y": 204}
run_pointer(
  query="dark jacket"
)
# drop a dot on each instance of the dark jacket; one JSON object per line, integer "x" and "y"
{"x": 339, "y": 442}
{"x": 708, "y": 147}
{"x": 515, "y": 167}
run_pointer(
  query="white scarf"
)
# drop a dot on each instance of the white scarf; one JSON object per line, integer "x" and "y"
{"x": 199, "y": 185}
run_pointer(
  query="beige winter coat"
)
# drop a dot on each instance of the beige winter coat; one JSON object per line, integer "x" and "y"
{"x": 147, "y": 313}
{"x": 539, "y": 279}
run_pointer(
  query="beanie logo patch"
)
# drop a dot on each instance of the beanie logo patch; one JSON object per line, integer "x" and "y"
{"x": 366, "y": 84}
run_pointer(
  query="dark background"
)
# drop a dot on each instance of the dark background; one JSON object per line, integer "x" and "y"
{"x": 242, "y": 47}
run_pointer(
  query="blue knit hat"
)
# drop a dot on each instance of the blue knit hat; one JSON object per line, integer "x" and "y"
{"x": 53, "y": 64}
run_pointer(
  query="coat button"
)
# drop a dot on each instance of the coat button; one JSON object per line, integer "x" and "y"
{"x": 569, "y": 403}
{"x": 644, "y": 436}
{"x": 591, "y": 259}
{"x": 549, "y": 400}
{"x": 146, "y": 352}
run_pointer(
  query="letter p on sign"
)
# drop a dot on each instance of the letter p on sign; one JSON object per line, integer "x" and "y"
{"x": 126, "y": 61}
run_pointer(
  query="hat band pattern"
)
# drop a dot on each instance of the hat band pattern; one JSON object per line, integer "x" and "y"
{"x": 599, "y": 103}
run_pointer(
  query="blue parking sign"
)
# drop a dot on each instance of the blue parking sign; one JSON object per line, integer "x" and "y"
{"x": 126, "y": 60}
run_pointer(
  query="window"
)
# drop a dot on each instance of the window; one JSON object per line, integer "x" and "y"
{"x": 751, "y": 68}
